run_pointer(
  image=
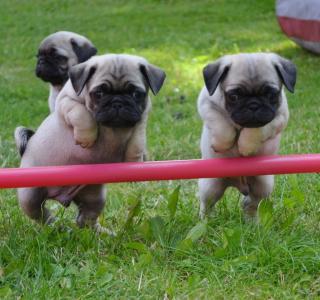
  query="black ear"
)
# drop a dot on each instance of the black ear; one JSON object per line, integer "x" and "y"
{"x": 287, "y": 71}
{"x": 213, "y": 73}
{"x": 83, "y": 52}
{"x": 154, "y": 77}
{"x": 80, "y": 75}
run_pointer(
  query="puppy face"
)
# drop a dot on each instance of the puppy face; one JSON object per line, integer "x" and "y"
{"x": 116, "y": 87}
{"x": 58, "y": 52}
{"x": 251, "y": 86}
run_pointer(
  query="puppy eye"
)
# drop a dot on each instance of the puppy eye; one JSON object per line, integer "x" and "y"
{"x": 99, "y": 94}
{"x": 60, "y": 57}
{"x": 233, "y": 97}
{"x": 270, "y": 91}
{"x": 64, "y": 58}
{"x": 138, "y": 94}
{"x": 272, "y": 96}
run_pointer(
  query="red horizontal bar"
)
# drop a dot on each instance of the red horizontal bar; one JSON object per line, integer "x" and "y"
{"x": 158, "y": 170}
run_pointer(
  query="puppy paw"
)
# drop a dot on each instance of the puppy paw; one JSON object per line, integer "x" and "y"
{"x": 203, "y": 214}
{"x": 85, "y": 138}
{"x": 250, "y": 209}
{"x": 136, "y": 158}
{"x": 248, "y": 149}
{"x": 222, "y": 146}
{"x": 206, "y": 210}
{"x": 249, "y": 142}
{"x": 100, "y": 229}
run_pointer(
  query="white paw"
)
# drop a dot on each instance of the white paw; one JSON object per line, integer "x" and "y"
{"x": 248, "y": 149}
{"x": 250, "y": 209}
{"x": 206, "y": 210}
{"x": 100, "y": 229}
{"x": 250, "y": 141}
{"x": 222, "y": 146}
{"x": 85, "y": 138}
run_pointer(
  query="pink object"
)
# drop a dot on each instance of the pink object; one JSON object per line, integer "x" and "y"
{"x": 300, "y": 21}
{"x": 159, "y": 170}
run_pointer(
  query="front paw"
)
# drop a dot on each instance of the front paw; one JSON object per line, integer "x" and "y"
{"x": 136, "y": 158}
{"x": 85, "y": 137}
{"x": 249, "y": 148}
{"x": 250, "y": 141}
{"x": 221, "y": 147}
{"x": 100, "y": 229}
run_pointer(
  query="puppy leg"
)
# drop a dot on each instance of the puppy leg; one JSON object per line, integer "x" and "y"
{"x": 210, "y": 192}
{"x": 217, "y": 130}
{"x": 136, "y": 149}
{"x": 90, "y": 201}
{"x": 222, "y": 135}
{"x": 251, "y": 139}
{"x": 32, "y": 202}
{"x": 75, "y": 114}
{"x": 210, "y": 189}
{"x": 260, "y": 187}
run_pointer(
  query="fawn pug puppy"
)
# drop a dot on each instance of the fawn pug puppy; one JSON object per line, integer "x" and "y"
{"x": 57, "y": 53}
{"x": 101, "y": 116}
{"x": 244, "y": 110}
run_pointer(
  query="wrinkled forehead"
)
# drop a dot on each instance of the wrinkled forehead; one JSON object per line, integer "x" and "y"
{"x": 118, "y": 73}
{"x": 59, "y": 45}
{"x": 251, "y": 71}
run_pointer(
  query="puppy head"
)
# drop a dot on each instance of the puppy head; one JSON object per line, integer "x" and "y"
{"x": 115, "y": 87}
{"x": 58, "y": 52}
{"x": 251, "y": 85}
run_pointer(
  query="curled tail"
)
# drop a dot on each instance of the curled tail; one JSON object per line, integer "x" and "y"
{"x": 22, "y": 136}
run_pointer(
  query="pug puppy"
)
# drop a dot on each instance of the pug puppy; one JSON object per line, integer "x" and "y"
{"x": 244, "y": 110}
{"x": 57, "y": 53}
{"x": 105, "y": 103}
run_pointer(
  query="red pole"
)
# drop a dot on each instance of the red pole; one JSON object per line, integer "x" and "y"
{"x": 158, "y": 170}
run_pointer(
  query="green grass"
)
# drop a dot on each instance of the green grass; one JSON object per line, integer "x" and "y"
{"x": 160, "y": 252}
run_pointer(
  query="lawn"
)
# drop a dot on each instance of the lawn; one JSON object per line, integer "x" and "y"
{"x": 161, "y": 252}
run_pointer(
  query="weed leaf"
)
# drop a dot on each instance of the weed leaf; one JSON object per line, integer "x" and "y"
{"x": 184, "y": 245}
{"x": 142, "y": 248}
{"x": 145, "y": 260}
{"x": 134, "y": 210}
{"x": 265, "y": 213}
{"x": 173, "y": 201}
{"x": 198, "y": 231}
{"x": 158, "y": 229}
{"x": 5, "y": 292}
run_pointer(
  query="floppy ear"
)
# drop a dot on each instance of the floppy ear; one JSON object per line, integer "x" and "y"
{"x": 213, "y": 73}
{"x": 154, "y": 77}
{"x": 80, "y": 75}
{"x": 287, "y": 72}
{"x": 83, "y": 52}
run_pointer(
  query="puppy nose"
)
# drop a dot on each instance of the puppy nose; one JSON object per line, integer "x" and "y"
{"x": 38, "y": 70}
{"x": 117, "y": 105}
{"x": 253, "y": 106}
{"x": 41, "y": 60}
